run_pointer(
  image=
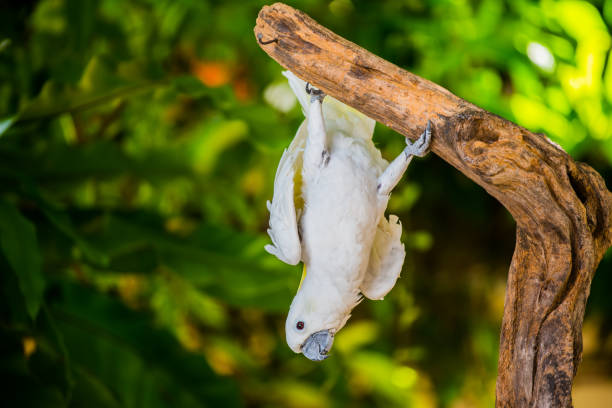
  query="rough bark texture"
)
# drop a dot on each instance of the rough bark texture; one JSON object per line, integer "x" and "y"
{"x": 563, "y": 209}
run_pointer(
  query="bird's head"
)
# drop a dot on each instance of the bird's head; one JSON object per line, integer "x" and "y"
{"x": 317, "y": 313}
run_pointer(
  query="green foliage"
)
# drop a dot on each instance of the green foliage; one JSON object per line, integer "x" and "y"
{"x": 18, "y": 242}
{"x": 138, "y": 145}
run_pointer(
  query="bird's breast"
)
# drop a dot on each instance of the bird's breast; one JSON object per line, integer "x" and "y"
{"x": 341, "y": 210}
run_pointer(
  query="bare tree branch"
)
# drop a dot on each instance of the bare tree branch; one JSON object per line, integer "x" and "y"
{"x": 562, "y": 208}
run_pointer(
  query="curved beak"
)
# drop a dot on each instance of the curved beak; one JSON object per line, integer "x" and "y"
{"x": 318, "y": 345}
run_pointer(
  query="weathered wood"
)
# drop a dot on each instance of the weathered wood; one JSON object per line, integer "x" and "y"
{"x": 563, "y": 209}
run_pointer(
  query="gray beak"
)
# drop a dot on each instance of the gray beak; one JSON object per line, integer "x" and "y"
{"x": 317, "y": 345}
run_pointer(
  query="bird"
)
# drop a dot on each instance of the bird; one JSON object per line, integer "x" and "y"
{"x": 331, "y": 190}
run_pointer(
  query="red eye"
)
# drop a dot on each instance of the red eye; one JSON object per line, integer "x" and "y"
{"x": 299, "y": 325}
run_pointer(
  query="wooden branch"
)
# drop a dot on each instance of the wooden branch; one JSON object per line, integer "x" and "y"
{"x": 563, "y": 209}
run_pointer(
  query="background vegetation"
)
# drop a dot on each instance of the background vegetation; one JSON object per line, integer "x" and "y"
{"x": 138, "y": 146}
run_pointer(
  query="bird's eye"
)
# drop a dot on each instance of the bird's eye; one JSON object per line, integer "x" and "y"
{"x": 299, "y": 325}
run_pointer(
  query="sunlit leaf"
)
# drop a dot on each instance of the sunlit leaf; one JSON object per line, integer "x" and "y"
{"x": 212, "y": 139}
{"x": 5, "y": 124}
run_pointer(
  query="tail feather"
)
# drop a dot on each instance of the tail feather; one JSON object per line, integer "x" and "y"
{"x": 299, "y": 89}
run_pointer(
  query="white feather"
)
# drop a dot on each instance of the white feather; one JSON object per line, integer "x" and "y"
{"x": 386, "y": 259}
{"x": 348, "y": 245}
{"x": 283, "y": 229}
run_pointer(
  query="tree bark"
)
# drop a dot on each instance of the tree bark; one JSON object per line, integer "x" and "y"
{"x": 562, "y": 208}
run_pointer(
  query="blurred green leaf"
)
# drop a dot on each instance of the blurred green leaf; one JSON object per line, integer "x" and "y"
{"x": 56, "y": 99}
{"x": 191, "y": 86}
{"x": 4, "y": 44}
{"x": 91, "y": 392}
{"x": 20, "y": 247}
{"x": 212, "y": 139}
{"x": 142, "y": 365}
{"x": 5, "y": 124}
{"x": 63, "y": 223}
{"x": 80, "y": 15}
{"x": 419, "y": 240}
{"x": 218, "y": 261}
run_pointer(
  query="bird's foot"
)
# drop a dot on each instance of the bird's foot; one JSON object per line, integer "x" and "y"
{"x": 420, "y": 147}
{"x": 315, "y": 94}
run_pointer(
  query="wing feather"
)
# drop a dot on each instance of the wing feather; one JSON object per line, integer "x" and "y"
{"x": 287, "y": 202}
{"x": 386, "y": 259}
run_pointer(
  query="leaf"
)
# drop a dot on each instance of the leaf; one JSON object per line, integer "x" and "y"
{"x": 212, "y": 138}
{"x": 12, "y": 301}
{"x": 140, "y": 364}
{"x": 100, "y": 83}
{"x": 55, "y": 99}
{"x": 90, "y": 392}
{"x": 56, "y": 340}
{"x": 62, "y": 222}
{"x": 226, "y": 264}
{"x": 36, "y": 380}
{"x": 25, "y": 391}
{"x": 103, "y": 161}
{"x": 81, "y": 15}
{"x": 191, "y": 86}
{"x": 270, "y": 131}
{"x": 6, "y": 123}
{"x": 4, "y": 44}
{"x": 20, "y": 247}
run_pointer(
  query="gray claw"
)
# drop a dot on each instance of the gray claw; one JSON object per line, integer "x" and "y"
{"x": 421, "y": 145}
{"x": 315, "y": 94}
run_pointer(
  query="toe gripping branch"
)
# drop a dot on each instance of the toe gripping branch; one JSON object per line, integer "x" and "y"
{"x": 395, "y": 170}
{"x": 420, "y": 147}
{"x": 315, "y": 94}
{"x": 262, "y": 42}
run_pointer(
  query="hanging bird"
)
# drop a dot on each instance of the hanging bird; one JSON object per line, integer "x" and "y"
{"x": 331, "y": 190}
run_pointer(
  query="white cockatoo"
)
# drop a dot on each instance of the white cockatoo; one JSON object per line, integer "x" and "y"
{"x": 330, "y": 194}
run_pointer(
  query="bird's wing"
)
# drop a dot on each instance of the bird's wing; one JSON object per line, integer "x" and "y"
{"x": 287, "y": 202}
{"x": 386, "y": 259}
